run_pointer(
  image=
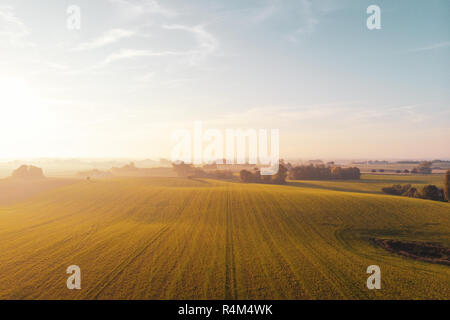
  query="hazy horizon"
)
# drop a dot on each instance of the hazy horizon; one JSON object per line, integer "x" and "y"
{"x": 157, "y": 159}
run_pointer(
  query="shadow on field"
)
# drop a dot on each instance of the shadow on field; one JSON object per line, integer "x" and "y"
{"x": 419, "y": 242}
{"x": 423, "y": 251}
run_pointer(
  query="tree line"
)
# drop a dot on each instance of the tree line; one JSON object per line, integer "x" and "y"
{"x": 322, "y": 172}
{"x": 256, "y": 177}
{"x": 429, "y": 192}
{"x": 189, "y": 171}
{"x": 302, "y": 172}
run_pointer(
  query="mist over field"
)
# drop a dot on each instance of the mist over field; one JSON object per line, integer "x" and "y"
{"x": 224, "y": 150}
{"x": 144, "y": 237}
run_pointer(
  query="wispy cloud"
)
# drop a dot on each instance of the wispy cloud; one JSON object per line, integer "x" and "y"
{"x": 435, "y": 46}
{"x": 135, "y": 8}
{"x": 13, "y": 32}
{"x": 266, "y": 12}
{"x": 308, "y": 20}
{"x": 109, "y": 37}
{"x": 283, "y": 115}
{"x": 308, "y": 27}
{"x": 410, "y": 113}
{"x": 207, "y": 43}
{"x": 132, "y": 53}
{"x": 350, "y": 114}
{"x": 146, "y": 77}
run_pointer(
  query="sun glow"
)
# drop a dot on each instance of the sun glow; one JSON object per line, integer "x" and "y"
{"x": 24, "y": 115}
{"x": 16, "y": 98}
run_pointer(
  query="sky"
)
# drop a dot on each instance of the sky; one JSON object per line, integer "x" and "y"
{"x": 138, "y": 70}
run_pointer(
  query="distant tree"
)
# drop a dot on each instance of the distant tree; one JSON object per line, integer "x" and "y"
{"x": 337, "y": 172}
{"x": 246, "y": 176}
{"x": 406, "y": 171}
{"x": 447, "y": 185}
{"x": 352, "y": 173}
{"x": 280, "y": 176}
{"x": 289, "y": 166}
{"x": 432, "y": 192}
{"x": 412, "y": 193}
{"x": 414, "y": 170}
{"x": 405, "y": 189}
{"x": 182, "y": 169}
{"x": 398, "y": 171}
{"x": 223, "y": 174}
{"x": 256, "y": 177}
{"x": 28, "y": 172}
{"x": 266, "y": 179}
{"x": 374, "y": 170}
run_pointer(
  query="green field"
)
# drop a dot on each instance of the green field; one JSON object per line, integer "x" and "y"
{"x": 173, "y": 238}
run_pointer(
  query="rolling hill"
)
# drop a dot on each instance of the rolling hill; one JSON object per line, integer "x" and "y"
{"x": 172, "y": 238}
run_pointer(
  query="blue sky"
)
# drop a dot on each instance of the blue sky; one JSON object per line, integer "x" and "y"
{"x": 139, "y": 69}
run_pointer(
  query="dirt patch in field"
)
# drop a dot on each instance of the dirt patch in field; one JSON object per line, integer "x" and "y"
{"x": 423, "y": 251}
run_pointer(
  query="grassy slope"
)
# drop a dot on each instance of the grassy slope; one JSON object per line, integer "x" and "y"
{"x": 164, "y": 238}
{"x": 15, "y": 190}
{"x": 372, "y": 183}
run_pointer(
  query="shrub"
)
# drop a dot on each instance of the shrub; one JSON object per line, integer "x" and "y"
{"x": 396, "y": 189}
{"x": 429, "y": 192}
{"x": 412, "y": 193}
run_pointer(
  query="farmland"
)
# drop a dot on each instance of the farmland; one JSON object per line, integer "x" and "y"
{"x": 173, "y": 238}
